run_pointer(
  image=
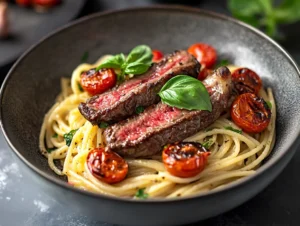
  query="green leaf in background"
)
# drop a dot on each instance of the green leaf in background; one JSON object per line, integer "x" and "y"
{"x": 185, "y": 92}
{"x": 265, "y": 14}
{"x": 287, "y": 12}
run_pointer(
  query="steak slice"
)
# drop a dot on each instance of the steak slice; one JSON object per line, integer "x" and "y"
{"x": 122, "y": 101}
{"x": 146, "y": 134}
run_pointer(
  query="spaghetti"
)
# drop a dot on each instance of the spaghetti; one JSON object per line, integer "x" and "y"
{"x": 233, "y": 155}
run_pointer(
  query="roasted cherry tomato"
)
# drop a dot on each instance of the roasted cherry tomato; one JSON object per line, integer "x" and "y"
{"x": 185, "y": 159}
{"x": 204, "y": 73}
{"x": 157, "y": 55}
{"x": 246, "y": 81}
{"x": 204, "y": 53}
{"x": 96, "y": 82}
{"x": 251, "y": 113}
{"x": 46, "y": 3}
{"x": 24, "y": 2}
{"x": 107, "y": 166}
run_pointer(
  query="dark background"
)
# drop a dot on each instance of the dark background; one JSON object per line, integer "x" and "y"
{"x": 23, "y": 204}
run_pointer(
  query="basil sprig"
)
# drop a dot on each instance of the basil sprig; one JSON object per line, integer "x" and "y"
{"x": 137, "y": 62}
{"x": 185, "y": 92}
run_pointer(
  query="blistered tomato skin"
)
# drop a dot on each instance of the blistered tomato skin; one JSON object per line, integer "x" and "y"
{"x": 246, "y": 81}
{"x": 107, "y": 166}
{"x": 204, "y": 53}
{"x": 157, "y": 55}
{"x": 251, "y": 113}
{"x": 97, "y": 82}
{"x": 185, "y": 159}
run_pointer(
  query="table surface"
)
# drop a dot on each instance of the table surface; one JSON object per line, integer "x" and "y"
{"x": 22, "y": 203}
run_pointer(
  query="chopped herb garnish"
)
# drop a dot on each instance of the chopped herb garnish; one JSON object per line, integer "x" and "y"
{"x": 207, "y": 144}
{"x": 69, "y": 136}
{"x": 55, "y": 135}
{"x": 222, "y": 63}
{"x": 85, "y": 57}
{"x": 233, "y": 129}
{"x": 141, "y": 194}
{"x": 139, "y": 109}
{"x": 269, "y": 104}
{"x": 80, "y": 87}
{"x": 208, "y": 129}
{"x": 49, "y": 150}
{"x": 103, "y": 125}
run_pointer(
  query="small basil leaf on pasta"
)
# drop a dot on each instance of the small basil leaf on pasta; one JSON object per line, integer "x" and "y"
{"x": 49, "y": 150}
{"x": 140, "y": 54}
{"x": 113, "y": 62}
{"x": 55, "y": 135}
{"x": 185, "y": 92}
{"x": 139, "y": 109}
{"x": 103, "y": 125}
{"x": 80, "y": 87}
{"x": 141, "y": 194}
{"x": 207, "y": 144}
{"x": 69, "y": 136}
{"x": 233, "y": 129}
{"x": 269, "y": 104}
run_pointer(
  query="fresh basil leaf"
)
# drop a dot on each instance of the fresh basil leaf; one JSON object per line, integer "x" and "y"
{"x": 55, "y": 135}
{"x": 185, "y": 92}
{"x": 85, "y": 57}
{"x": 223, "y": 63}
{"x": 141, "y": 194}
{"x": 113, "y": 62}
{"x": 140, "y": 54}
{"x": 136, "y": 68}
{"x": 49, "y": 150}
{"x": 207, "y": 144}
{"x": 139, "y": 109}
{"x": 269, "y": 104}
{"x": 233, "y": 129}
{"x": 103, "y": 125}
{"x": 80, "y": 87}
{"x": 69, "y": 136}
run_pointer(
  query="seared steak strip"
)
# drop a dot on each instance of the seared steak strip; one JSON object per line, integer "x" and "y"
{"x": 122, "y": 101}
{"x": 146, "y": 134}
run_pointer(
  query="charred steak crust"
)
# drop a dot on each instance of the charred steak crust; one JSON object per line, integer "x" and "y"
{"x": 136, "y": 137}
{"x": 122, "y": 101}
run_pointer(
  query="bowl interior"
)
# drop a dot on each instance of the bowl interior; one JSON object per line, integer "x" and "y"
{"x": 34, "y": 82}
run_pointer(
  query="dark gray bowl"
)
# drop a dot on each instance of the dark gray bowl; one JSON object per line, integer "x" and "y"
{"x": 32, "y": 84}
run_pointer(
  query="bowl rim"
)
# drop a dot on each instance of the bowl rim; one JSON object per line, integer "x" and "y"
{"x": 168, "y": 8}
